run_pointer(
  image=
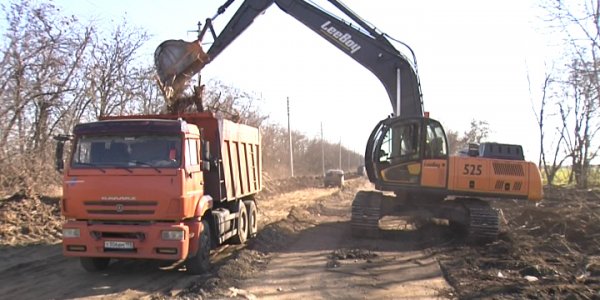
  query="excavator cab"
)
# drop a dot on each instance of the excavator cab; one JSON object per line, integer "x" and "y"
{"x": 406, "y": 153}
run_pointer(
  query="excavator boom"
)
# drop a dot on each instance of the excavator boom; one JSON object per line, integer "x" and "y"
{"x": 363, "y": 43}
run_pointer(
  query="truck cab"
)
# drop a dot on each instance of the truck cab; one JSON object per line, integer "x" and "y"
{"x": 150, "y": 187}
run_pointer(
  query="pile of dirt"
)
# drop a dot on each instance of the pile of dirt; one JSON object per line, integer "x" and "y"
{"x": 547, "y": 251}
{"x": 26, "y": 221}
{"x": 272, "y": 187}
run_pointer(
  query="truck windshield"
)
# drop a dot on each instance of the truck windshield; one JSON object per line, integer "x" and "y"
{"x": 130, "y": 151}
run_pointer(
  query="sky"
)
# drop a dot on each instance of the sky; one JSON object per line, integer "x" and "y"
{"x": 473, "y": 60}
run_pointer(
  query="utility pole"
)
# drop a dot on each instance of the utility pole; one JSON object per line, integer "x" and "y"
{"x": 290, "y": 138}
{"x": 340, "y": 162}
{"x": 348, "y": 160}
{"x": 322, "y": 151}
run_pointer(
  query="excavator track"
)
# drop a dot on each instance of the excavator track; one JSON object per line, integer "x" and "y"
{"x": 366, "y": 212}
{"x": 483, "y": 222}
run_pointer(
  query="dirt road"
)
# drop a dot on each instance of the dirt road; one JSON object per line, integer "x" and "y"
{"x": 304, "y": 249}
{"x": 325, "y": 262}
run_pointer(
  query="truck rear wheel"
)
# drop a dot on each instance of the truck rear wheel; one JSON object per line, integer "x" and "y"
{"x": 241, "y": 225}
{"x": 252, "y": 218}
{"x": 200, "y": 263}
{"x": 94, "y": 264}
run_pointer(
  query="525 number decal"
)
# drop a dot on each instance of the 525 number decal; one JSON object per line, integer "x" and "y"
{"x": 470, "y": 169}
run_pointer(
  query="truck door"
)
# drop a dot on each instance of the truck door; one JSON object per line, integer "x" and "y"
{"x": 194, "y": 180}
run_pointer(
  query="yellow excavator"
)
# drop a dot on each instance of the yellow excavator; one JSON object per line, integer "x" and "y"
{"x": 406, "y": 156}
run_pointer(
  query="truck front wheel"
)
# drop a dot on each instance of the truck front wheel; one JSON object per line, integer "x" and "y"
{"x": 242, "y": 224}
{"x": 200, "y": 263}
{"x": 94, "y": 264}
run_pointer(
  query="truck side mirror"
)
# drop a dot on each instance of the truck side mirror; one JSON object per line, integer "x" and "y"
{"x": 205, "y": 150}
{"x": 206, "y": 155}
{"x": 59, "y": 162}
{"x": 60, "y": 149}
{"x": 206, "y": 165}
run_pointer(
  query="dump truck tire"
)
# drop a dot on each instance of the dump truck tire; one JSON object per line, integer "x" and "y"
{"x": 252, "y": 218}
{"x": 94, "y": 264}
{"x": 200, "y": 263}
{"x": 241, "y": 225}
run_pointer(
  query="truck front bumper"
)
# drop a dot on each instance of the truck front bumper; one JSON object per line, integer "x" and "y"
{"x": 126, "y": 241}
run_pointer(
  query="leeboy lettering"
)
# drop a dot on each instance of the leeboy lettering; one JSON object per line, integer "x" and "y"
{"x": 344, "y": 38}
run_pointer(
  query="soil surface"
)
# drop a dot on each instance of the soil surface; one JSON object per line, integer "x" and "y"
{"x": 304, "y": 250}
{"x": 546, "y": 251}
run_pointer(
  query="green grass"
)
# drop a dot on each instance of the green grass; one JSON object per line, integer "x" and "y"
{"x": 562, "y": 177}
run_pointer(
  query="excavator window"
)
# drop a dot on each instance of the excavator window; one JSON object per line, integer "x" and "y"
{"x": 400, "y": 143}
{"x": 400, "y": 152}
{"x": 435, "y": 142}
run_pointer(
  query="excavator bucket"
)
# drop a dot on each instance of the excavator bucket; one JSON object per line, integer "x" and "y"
{"x": 176, "y": 61}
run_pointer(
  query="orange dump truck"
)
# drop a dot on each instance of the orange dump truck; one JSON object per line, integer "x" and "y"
{"x": 162, "y": 187}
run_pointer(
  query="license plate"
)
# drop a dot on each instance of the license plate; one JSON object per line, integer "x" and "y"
{"x": 118, "y": 245}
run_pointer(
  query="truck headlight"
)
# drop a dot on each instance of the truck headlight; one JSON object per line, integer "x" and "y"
{"x": 70, "y": 232}
{"x": 177, "y": 235}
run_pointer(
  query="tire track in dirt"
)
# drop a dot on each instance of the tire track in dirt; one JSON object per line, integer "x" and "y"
{"x": 326, "y": 262}
{"x": 58, "y": 277}
{"x": 311, "y": 254}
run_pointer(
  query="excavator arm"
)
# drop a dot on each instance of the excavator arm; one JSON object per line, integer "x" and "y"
{"x": 368, "y": 47}
{"x": 365, "y": 45}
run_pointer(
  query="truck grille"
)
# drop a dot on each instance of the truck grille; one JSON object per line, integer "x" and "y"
{"x": 508, "y": 169}
{"x": 99, "y": 207}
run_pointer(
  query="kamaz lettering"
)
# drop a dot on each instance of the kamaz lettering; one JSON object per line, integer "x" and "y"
{"x": 345, "y": 39}
{"x": 117, "y": 198}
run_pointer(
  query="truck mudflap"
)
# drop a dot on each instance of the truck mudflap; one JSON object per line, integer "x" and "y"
{"x": 151, "y": 241}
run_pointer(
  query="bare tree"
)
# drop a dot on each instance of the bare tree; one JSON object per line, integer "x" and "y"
{"x": 454, "y": 144}
{"x": 558, "y": 155}
{"x": 581, "y": 112}
{"x": 41, "y": 55}
{"x": 112, "y": 80}
{"x": 232, "y": 103}
{"x": 274, "y": 150}
{"x": 579, "y": 24}
{"x": 146, "y": 95}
